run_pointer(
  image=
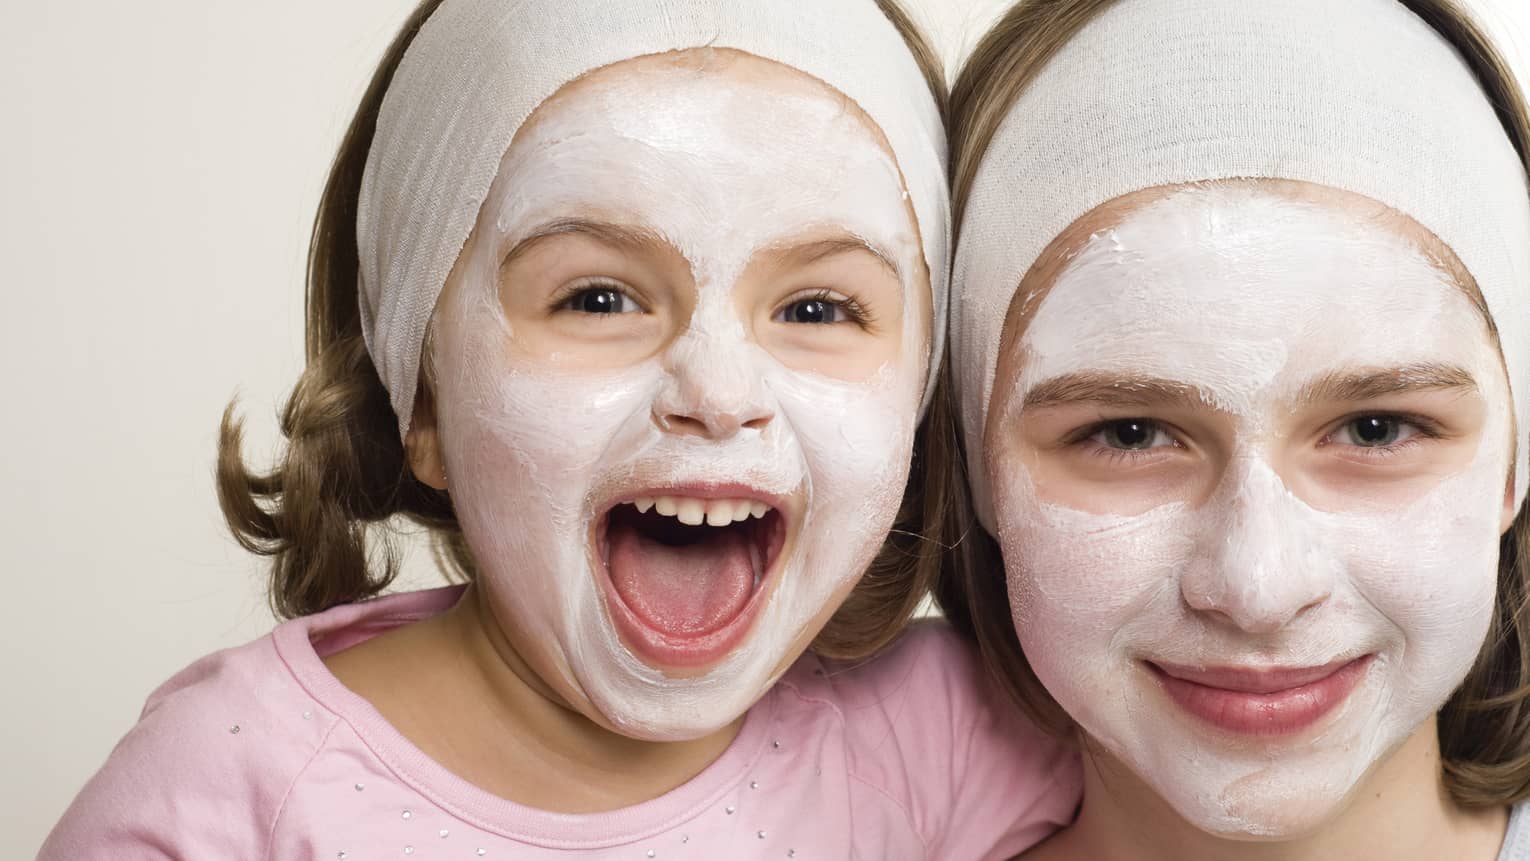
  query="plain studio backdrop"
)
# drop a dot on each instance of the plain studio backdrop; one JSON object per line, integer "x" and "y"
{"x": 160, "y": 166}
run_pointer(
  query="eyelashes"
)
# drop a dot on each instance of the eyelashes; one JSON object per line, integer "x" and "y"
{"x": 1123, "y": 442}
{"x": 603, "y": 297}
{"x": 595, "y": 297}
{"x": 1380, "y": 436}
{"x": 824, "y": 307}
{"x": 1359, "y": 436}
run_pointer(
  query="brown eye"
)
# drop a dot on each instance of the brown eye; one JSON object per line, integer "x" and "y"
{"x": 812, "y": 311}
{"x": 600, "y": 300}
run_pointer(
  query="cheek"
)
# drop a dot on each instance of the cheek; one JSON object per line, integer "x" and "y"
{"x": 543, "y": 433}
{"x": 853, "y": 437}
{"x": 507, "y": 415}
{"x": 1079, "y": 582}
{"x": 856, "y": 442}
{"x": 522, "y": 444}
{"x": 1431, "y": 571}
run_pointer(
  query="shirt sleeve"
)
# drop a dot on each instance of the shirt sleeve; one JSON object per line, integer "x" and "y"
{"x": 975, "y": 776}
{"x": 1015, "y": 784}
{"x": 201, "y": 775}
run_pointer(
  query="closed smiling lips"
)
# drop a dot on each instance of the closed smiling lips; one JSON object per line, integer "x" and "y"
{"x": 686, "y": 569}
{"x": 1261, "y": 701}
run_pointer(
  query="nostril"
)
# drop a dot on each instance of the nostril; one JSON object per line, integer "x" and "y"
{"x": 714, "y": 426}
{"x": 681, "y": 424}
{"x": 1311, "y": 605}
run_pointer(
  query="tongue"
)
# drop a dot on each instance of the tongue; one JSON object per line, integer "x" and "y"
{"x": 682, "y": 590}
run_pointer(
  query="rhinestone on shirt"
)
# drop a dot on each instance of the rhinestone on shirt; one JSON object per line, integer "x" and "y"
{"x": 360, "y": 786}
{"x": 776, "y": 744}
{"x": 685, "y": 838}
{"x": 754, "y": 784}
{"x": 408, "y": 814}
{"x": 481, "y": 851}
{"x": 233, "y": 730}
{"x": 443, "y": 832}
{"x": 729, "y": 809}
{"x": 761, "y": 835}
{"x": 342, "y": 855}
{"x": 791, "y": 853}
{"x": 652, "y": 854}
{"x": 408, "y": 850}
{"x": 307, "y": 715}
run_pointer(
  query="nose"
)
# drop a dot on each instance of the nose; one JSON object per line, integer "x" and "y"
{"x": 1260, "y": 561}
{"x": 714, "y": 388}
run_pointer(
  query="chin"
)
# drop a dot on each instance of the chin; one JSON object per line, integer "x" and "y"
{"x": 1273, "y": 793}
{"x": 1259, "y": 809}
{"x": 648, "y": 704}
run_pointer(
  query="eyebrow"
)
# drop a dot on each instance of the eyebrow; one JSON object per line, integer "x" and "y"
{"x": 1369, "y": 384}
{"x": 621, "y": 236}
{"x": 804, "y": 253}
{"x": 1112, "y": 390}
{"x": 631, "y": 238}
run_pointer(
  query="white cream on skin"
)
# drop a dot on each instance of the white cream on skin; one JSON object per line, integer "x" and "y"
{"x": 722, "y": 169}
{"x": 1248, "y": 296}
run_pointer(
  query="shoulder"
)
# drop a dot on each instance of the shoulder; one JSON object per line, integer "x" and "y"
{"x": 929, "y": 675}
{"x": 1516, "y": 839}
{"x": 926, "y": 729}
{"x": 204, "y": 771}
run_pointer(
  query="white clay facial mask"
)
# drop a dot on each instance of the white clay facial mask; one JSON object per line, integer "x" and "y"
{"x": 671, "y": 447}
{"x": 1248, "y": 483}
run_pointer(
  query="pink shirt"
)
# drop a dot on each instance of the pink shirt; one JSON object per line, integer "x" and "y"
{"x": 259, "y": 752}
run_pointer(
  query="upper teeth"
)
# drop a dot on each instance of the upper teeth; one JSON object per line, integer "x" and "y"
{"x": 693, "y": 512}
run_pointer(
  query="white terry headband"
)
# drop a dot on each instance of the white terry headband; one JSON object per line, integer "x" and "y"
{"x": 1359, "y": 95}
{"x": 478, "y": 68}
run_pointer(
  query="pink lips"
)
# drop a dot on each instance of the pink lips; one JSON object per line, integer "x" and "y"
{"x": 1261, "y": 701}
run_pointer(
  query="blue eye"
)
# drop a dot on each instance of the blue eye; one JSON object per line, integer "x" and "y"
{"x": 1374, "y": 430}
{"x": 1131, "y": 435}
{"x": 1377, "y": 431}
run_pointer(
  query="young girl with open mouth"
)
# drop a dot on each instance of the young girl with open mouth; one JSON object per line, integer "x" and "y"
{"x": 1241, "y": 336}
{"x": 637, "y": 305}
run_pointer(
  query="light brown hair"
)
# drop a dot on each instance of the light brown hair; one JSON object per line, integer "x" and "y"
{"x": 1484, "y": 728}
{"x": 325, "y": 512}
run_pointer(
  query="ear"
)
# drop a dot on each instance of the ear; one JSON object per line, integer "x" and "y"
{"x": 422, "y": 444}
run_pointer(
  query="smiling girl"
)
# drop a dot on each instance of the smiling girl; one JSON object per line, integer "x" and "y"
{"x": 1242, "y": 342}
{"x": 649, "y": 307}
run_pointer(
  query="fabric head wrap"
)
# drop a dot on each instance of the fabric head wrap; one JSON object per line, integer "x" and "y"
{"x": 1359, "y": 95}
{"x": 478, "y": 68}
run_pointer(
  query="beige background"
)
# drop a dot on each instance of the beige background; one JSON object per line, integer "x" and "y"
{"x": 159, "y": 166}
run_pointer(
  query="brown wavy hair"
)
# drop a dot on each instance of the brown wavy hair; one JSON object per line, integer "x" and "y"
{"x": 1484, "y": 729}
{"x": 326, "y": 513}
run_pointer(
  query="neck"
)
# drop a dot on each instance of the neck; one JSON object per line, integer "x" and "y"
{"x": 479, "y": 710}
{"x": 1400, "y": 811}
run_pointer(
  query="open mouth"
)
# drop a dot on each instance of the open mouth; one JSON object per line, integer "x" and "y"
{"x": 685, "y": 573}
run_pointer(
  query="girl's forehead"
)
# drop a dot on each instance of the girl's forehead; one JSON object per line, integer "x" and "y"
{"x": 1250, "y": 293}
{"x": 669, "y": 83}
{"x": 1246, "y": 247}
{"x": 1209, "y": 213}
{"x": 721, "y": 153}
